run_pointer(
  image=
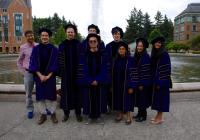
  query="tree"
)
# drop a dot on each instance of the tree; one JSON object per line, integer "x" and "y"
{"x": 56, "y": 22}
{"x": 59, "y": 35}
{"x": 155, "y": 33}
{"x": 140, "y": 24}
{"x": 147, "y": 25}
{"x": 131, "y": 32}
{"x": 158, "y": 19}
{"x": 167, "y": 28}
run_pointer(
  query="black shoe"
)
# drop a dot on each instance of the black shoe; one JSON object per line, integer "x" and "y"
{"x": 141, "y": 119}
{"x": 65, "y": 118}
{"x": 79, "y": 118}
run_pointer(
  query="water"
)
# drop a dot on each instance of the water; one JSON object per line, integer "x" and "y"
{"x": 184, "y": 69}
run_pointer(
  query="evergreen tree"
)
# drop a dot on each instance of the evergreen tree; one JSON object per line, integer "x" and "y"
{"x": 166, "y": 29}
{"x": 147, "y": 25}
{"x": 59, "y": 35}
{"x": 131, "y": 29}
{"x": 158, "y": 19}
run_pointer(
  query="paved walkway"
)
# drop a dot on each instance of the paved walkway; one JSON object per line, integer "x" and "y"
{"x": 182, "y": 123}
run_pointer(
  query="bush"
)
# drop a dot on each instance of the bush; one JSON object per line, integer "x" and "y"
{"x": 177, "y": 46}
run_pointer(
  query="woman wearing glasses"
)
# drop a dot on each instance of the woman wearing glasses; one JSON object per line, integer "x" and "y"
{"x": 92, "y": 75}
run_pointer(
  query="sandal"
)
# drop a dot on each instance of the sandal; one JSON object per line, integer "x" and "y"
{"x": 157, "y": 122}
{"x": 128, "y": 122}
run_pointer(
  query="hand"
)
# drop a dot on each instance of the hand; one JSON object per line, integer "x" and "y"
{"x": 46, "y": 78}
{"x": 141, "y": 87}
{"x": 94, "y": 83}
{"x": 42, "y": 78}
{"x": 130, "y": 91}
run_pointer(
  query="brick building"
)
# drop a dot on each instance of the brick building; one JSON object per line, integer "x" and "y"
{"x": 15, "y": 18}
{"x": 187, "y": 23}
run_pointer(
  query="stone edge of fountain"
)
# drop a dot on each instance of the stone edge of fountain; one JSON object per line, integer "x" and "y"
{"x": 177, "y": 87}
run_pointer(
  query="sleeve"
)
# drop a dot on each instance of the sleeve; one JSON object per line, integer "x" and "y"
{"x": 34, "y": 64}
{"x": 164, "y": 72}
{"x": 104, "y": 77}
{"x": 20, "y": 61}
{"x": 145, "y": 71}
{"x": 82, "y": 77}
{"x": 132, "y": 75}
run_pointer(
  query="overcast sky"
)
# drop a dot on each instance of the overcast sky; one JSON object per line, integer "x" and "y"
{"x": 105, "y": 13}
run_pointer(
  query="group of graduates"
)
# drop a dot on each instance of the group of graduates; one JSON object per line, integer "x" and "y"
{"x": 99, "y": 78}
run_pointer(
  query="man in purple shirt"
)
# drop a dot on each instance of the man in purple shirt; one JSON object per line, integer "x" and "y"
{"x": 23, "y": 65}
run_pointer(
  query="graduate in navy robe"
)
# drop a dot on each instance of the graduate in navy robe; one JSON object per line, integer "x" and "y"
{"x": 161, "y": 72}
{"x": 112, "y": 51}
{"x": 92, "y": 29}
{"x": 68, "y": 55}
{"x": 123, "y": 84}
{"x": 43, "y": 63}
{"x": 142, "y": 69}
{"x": 93, "y": 78}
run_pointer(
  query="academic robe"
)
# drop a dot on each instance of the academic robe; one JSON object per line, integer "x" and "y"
{"x": 122, "y": 80}
{"x": 161, "y": 71}
{"x": 112, "y": 51}
{"x": 44, "y": 60}
{"x": 142, "y": 71}
{"x": 93, "y": 66}
{"x": 68, "y": 55}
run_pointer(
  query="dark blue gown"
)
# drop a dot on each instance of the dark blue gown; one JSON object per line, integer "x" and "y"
{"x": 123, "y": 79}
{"x": 93, "y": 66}
{"x": 44, "y": 60}
{"x": 68, "y": 55}
{"x": 142, "y": 65}
{"x": 112, "y": 51}
{"x": 161, "y": 69}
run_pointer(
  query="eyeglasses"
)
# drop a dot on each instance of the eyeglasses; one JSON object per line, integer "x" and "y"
{"x": 92, "y": 41}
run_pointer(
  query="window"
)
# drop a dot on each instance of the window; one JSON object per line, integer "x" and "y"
{"x": 194, "y": 19}
{"x": 198, "y": 18}
{"x": 177, "y": 21}
{"x": 188, "y": 19}
{"x": 176, "y": 29}
{"x": 182, "y": 28}
{"x": 4, "y": 10}
{"x": 18, "y": 24}
{"x": 182, "y": 20}
{"x": 19, "y": 39}
{"x": 193, "y": 28}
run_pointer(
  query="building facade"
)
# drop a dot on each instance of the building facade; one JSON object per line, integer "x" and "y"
{"x": 15, "y": 19}
{"x": 187, "y": 23}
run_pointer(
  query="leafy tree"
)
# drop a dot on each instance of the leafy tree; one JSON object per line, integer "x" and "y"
{"x": 155, "y": 33}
